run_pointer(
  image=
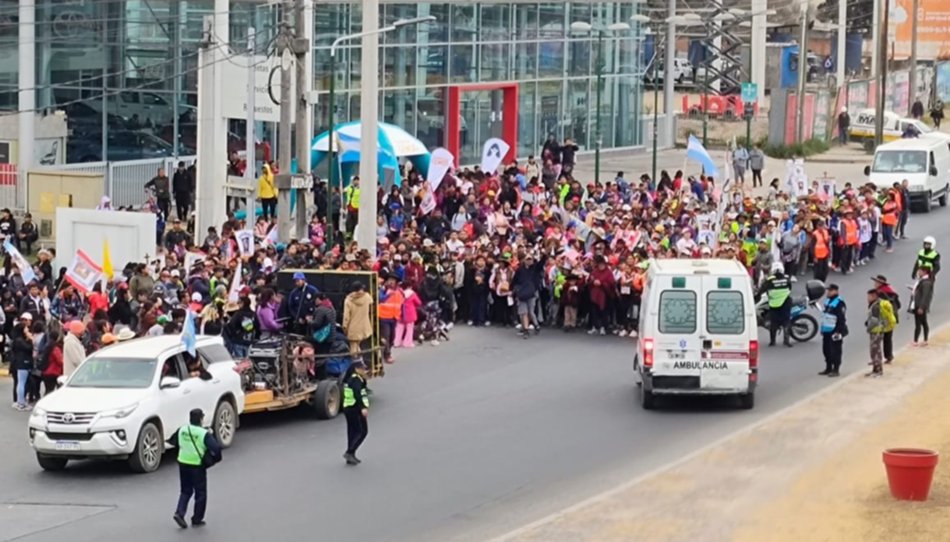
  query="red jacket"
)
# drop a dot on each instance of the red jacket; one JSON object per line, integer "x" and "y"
{"x": 54, "y": 366}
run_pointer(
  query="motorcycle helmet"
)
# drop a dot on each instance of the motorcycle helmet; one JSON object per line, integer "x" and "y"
{"x": 929, "y": 240}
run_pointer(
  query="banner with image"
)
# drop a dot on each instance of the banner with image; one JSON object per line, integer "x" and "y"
{"x": 493, "y": 152}
{"x": 83, "y": 273}
{"x": 439, "y": 163}
{"x": 245, "y": 242}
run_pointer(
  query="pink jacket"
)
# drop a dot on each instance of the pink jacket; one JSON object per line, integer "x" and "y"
{"x": 410, "y": 307}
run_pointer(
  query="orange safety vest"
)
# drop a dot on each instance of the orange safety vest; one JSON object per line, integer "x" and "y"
{"x": 850, "y": 232}
{"x": 391, "y": 309}
{"x": 890, "y": 214}
{"x": 821, "y": 244}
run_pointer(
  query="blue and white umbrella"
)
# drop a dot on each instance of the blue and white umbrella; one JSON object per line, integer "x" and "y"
{"x": 393, "y": 143}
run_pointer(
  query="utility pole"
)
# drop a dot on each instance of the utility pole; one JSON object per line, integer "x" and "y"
{"x": 600, "y": 90}
{"x": 26, "y": 102}
{"x": 802, "y": 75}
{"x": 668, "y": 108}
{"x": 882, "y": 77}
{"x": 284, "y": 148}
{"x": 301, "y": 49}
{"x": 842, "y": 42}
{"x": 369, "y": 128}
{"x": 912, "y": 86}
{"x": 250, "y": 144}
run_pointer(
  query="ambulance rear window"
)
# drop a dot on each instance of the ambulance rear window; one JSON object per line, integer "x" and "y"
{"x": 677, "y": 311}
{"x": 725, "y": 312}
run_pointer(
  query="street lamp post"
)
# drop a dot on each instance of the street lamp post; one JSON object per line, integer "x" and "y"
{"x": 331, "y": 144}
{"x": 582, "y": 27}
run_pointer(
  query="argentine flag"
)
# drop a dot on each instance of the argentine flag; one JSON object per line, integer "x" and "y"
{"x": 696, "y": 151}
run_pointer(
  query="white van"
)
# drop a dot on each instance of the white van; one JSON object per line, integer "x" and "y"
{"x": 923, "y": 161}
{"x": 698, "y": 332}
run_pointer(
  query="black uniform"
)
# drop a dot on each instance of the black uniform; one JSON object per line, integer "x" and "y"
{"x": 834, "y": 328}
{"x": 355, "y": 400}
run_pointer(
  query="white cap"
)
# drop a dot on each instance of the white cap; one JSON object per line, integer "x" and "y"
{"x": 26, "y": 316}
{"x": 196, "y": 297}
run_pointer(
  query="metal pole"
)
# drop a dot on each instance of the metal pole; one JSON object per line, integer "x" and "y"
{"x": 284, "y": 137}
{"x": 802, "y": 76}
{"x": 26, "y": 102}
{"x": 876, "y": 37}
{"x": 302, "y": 123}
{"x": 706, "y": 87}
{"x": 600, "y": 89}
{"x": 882, "y": 79}
{"x": 656, "y": 108}
{"x": 331, "y": 147}
{"x": 759, "y": 50}
{"x": 250, "y": 149}
{"x": 668, "y": 74}
{"x": 842, "y": 41}
{"x": 912, "y": 86}
{"x": 748, "y": 130}
{"x": 369, "y": 128}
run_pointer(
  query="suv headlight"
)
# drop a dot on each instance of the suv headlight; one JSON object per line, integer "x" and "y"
{"x": 119, "y": 413}
{"x": 38, "y": 413}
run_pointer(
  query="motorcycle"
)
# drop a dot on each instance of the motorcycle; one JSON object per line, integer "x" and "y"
{"x": 804, "y": 326}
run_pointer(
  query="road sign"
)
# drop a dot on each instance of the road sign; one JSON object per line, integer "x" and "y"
{"x": 750, "y": 92}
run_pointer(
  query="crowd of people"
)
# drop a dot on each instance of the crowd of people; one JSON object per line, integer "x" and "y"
{"x": 528, "y": 247}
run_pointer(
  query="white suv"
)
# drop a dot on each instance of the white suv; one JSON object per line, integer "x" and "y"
{"x": 125, "y": 401}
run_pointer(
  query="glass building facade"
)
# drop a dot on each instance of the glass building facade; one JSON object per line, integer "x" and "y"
{"x": 125, "y": 71}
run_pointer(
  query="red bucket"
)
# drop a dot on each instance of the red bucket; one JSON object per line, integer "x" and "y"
{"x": 910, "y": 472}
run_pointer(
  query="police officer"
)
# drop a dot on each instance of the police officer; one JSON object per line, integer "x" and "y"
{"x": 779, "y": 291}
{"x": 301, "y": 302}
{"x": 928, "y": 258}
{"x": 356, "y": 409}
{"x": 834, "y": 328}
{"x": 197, "y": 451}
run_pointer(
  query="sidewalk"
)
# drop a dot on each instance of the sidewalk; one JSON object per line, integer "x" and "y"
{"x": 810, "y": 473}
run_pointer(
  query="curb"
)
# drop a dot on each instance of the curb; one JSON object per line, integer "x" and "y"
{"x": 607, "y": 494}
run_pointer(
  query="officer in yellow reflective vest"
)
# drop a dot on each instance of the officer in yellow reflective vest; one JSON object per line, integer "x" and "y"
{"x": 778, "y": 289}
{"x": 351, "y": 201}
{"x": 197, "y": 450}
{"x": 356, "y": 409}
{"x": 928, "y": 258}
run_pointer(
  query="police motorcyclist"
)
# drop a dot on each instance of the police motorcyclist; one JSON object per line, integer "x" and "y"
{"x": 779, "y": 291}
{"x": 928, "y": 258}
{"x": 834, "y": 328}
{"x": 300, "y": 303}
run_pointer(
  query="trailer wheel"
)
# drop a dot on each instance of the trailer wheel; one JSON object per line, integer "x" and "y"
{"x": 325, "y": 403}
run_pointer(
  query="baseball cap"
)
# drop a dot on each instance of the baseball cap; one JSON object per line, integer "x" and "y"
{"x": 26, "y": 316}
{"x": 299, "y": 276}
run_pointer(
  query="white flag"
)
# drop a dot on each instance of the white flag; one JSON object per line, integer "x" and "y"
{"x": 428, "y": 202}
{"x": 493, "y": 152}
{"x": 439, "y": 164}
{"x": 245, "y": 242}
{"x": 83, "y": 273}
{"x": 236, "y": 283}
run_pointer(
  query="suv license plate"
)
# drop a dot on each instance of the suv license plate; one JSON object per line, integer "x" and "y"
{"x": 67, "y": 445}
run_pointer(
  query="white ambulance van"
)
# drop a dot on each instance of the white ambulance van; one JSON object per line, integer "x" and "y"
{"x": 698, "y": 332}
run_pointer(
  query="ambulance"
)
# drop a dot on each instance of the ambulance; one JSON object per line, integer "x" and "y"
{"x": 698, "y": 333}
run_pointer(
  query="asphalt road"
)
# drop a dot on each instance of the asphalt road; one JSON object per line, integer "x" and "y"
{"x": 467, "y": 440}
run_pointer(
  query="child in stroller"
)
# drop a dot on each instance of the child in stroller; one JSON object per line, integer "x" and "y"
{"x": 433, "y": 328}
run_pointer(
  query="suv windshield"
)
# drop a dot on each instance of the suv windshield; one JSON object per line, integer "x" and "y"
{"x": 900, "y": 162}
{"x": 114, "y": 373}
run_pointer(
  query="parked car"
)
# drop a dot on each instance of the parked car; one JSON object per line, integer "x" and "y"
{"x": 122, "y": 145}
{"x": 125, "y": 401}
{"x": 144, "y": 108}
{"x": 682, "y": 71}
{"x": 83, "y": 119}
{"x": 188, "y": 139}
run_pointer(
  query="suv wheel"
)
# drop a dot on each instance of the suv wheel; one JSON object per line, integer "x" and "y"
{"x": 225, "y": 423}
{"x": 147, "y": 455}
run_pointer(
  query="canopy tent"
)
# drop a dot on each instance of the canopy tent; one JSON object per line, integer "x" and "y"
{"x": 393, "y": 143}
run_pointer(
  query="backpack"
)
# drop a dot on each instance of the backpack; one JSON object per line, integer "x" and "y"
{"x": 888, "y": 316}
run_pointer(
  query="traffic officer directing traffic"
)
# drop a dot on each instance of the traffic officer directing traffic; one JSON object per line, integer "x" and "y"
{"x": 198, "y": 450}
{"x": 355, "y": 409}
{"x": 779, "y": 291}
{"x": 928, "y": 258}
{"x": 834, "y": 328}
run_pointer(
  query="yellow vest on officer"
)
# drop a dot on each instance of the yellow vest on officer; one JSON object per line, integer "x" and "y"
{"x": 779, "y": 291}
{"x": 349, "y": 396}
{"x": 191, "y": 445}
{"x": 926, "y": 258}
{"x": 351, "y": 195}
